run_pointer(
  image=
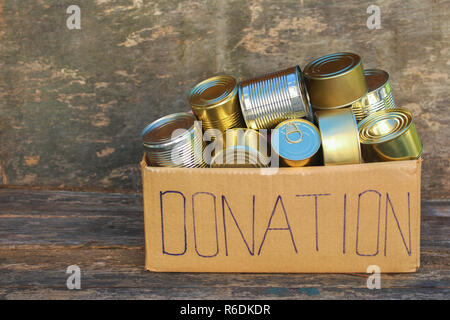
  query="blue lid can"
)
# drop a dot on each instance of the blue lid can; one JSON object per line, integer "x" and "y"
{"x": 296, "y": 141}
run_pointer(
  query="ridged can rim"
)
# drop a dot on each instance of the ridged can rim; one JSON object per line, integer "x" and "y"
{"x": 376, "y": 78}
{"x": 349, "y": 61}
{"x": 225, "y": 85}
{"x": 162, "y": 122}
{"x": 394, "y": 122}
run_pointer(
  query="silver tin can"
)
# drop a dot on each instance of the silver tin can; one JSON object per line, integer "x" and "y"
{"x": 270, "y": 99}
{"x": 174, "y": 141}
{"x": 379, "y": 96}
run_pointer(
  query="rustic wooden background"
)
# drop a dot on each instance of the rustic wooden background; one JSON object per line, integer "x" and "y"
{"x": 73, "y": 102}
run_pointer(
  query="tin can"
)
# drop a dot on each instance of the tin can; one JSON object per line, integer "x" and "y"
{"x": 335, "y": 80}
{"x": 379, "y": 96}
{"x": 296, "y": 142}
{"x": 174, "y": 141}
{"x": 389, "y": 135}
{"x": 215, "y": 102}
{"x": 339, "y": 133}
{"x": 270, "y": 99}
{"x": 242, "y": 148}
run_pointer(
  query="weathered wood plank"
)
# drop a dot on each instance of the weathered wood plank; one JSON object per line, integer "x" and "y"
{"x": 117, "y": 268}
{"x": 70, "y": 218}
{"x": 227, "y": 293}
{"x": 43, "y": 232}
{"x": 18, "y": 201}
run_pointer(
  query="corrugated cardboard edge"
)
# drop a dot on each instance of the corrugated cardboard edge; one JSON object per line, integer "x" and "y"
{"x": 146, "y": 169}
{"x": 418, "y": 177}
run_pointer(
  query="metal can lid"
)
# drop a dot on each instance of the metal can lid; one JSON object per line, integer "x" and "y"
{"x": 239, "y": 157}
{"x": 213, "y": 91}
{"x": 332, "y": 65}
{"x": 384, "y": 125}
{"x": 296, "y": 139}
{"x": 161, "y": 132}
{"x": 375, "y": 78}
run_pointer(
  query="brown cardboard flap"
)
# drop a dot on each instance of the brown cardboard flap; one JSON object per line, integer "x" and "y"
{"x": 311, "y": 219}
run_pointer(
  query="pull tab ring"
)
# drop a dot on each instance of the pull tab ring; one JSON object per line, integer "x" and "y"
{"x": 294, "y": 129}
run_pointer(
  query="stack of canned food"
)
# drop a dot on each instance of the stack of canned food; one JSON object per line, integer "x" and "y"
{"x": 333, "y": 112}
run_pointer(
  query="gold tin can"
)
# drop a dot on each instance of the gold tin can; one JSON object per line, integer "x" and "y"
{"x": 389, "y": 135}
{"x": 296, "y": 142}
{"x": 215, "y": 102}
{"x": 335, "y": 80}
{"x": 270, "y": 99}
{"x": 174, "y": 141}
{"x": 242, "y": 148}
{"x": 379, "y": 96}
{"x": 339, "y": 133}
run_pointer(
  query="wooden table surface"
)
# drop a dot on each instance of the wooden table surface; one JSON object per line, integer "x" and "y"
{"x": 43, "y": 232}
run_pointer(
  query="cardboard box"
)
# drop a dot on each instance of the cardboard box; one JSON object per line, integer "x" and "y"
{"x": 297, "y": 220}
